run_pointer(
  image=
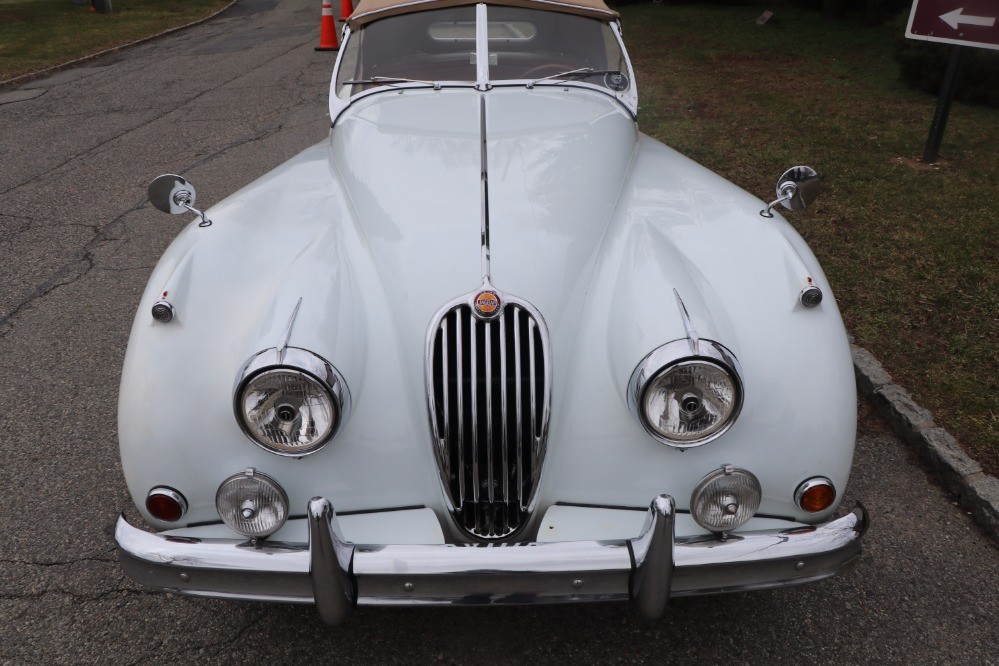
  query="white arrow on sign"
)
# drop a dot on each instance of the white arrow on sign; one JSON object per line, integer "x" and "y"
{"x": 955, "y": 18}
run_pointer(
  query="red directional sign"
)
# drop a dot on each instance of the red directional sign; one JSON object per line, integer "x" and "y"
{"x": 965, "y": 22}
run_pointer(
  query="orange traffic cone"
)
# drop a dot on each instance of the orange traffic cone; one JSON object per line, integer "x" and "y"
{"x": 327, "y": 29}
{"x": 346, "y": 9}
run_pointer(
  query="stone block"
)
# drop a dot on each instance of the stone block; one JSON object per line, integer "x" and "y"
{"x": 903, "y": 414}
{"x": 945, "y": 455}
{"x": 983, "y": 500}
{"x": 870, "y": 375}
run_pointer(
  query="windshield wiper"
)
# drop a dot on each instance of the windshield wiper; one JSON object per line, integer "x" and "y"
{"x": 582, "y": 71}
{"x": 393, "y": 79}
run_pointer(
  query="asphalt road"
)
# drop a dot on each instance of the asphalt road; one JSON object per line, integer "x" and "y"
{"x": 222, "y": 104}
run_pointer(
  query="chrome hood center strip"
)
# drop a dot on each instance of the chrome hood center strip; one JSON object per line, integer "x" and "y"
{"x": 483, "y": 141}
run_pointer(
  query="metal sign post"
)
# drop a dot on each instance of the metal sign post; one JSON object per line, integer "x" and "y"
{"x": 961, "y": 23}
{"x": 939, "y": 123}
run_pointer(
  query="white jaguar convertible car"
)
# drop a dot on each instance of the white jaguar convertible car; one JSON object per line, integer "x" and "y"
{"x": 486, "y": 344}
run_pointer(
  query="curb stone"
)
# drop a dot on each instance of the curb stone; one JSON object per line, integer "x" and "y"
{"x": 958, "y": 472}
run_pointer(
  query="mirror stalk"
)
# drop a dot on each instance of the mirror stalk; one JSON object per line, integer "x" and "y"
{"x": 787, "y": 192}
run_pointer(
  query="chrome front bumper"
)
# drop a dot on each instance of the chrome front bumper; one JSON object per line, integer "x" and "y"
{"x": 336, "y": 575}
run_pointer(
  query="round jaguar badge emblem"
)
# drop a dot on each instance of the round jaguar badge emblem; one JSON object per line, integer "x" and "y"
{"x": 616, "y": 81}
{"x": 487, "y": 304}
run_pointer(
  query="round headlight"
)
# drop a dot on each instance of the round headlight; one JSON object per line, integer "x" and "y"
{"x": 725, "y": 499}
{"x": 290, "y": 401}
{"x": 288, "y": 411}
{"x": 252, "y": 503}
{"x": 690, "y": 402}
{"x": 685, "y": 400}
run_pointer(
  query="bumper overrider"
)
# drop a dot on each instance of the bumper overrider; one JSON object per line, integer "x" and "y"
{"x": 337, "y": 575}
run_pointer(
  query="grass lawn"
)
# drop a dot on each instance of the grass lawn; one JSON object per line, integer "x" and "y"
{"x": 35, "y": 34}
{"x": 910, "y": 249}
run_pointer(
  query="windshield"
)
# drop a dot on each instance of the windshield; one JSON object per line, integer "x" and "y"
{"x": 524, "y": 45}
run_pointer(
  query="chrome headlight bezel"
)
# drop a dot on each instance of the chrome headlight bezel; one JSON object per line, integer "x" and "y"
{"x": 677, "y": 354}
{"x": 310, "y": 365}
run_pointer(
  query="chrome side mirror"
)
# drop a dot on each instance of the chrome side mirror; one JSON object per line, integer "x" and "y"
{"x": 797, "y": 189}
{"x": 172, "y": 194}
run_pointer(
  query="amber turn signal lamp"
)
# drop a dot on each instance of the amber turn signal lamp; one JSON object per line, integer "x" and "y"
{"x": 166, "y": 504}
{"x": 815, "y": 494}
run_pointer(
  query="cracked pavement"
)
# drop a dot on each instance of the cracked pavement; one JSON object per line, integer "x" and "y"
{"x": 222, "y": 104}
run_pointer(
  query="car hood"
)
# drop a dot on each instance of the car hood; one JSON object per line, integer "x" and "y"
{"x": 555, "y": 167}
{"x": 367, "y": 235}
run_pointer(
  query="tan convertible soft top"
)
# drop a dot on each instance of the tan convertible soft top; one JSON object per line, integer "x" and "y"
{"x": 370, "y": 10}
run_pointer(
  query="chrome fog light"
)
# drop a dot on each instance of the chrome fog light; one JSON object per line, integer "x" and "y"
{"x": 252, "y": 503}
{"x": 725, "y": 499}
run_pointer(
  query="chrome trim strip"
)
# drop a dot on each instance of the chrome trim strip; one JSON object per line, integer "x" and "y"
{"x": 484, "y": 200}
{"x": 692, "y": 337}
{"x": 283, "y": 345}
{"x": 523, "y": 573}
{"x": 670, "y": 354}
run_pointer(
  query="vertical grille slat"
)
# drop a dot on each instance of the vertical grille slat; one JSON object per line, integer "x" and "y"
{"x": 520, "y": 405}
{"x": 504, "y": 387}
{"x": 488, "y": 390}
{"x": 487, "y": 358}
{"x": 445, "y": 388}
{"x": 474, "y": 390}
{"x": 459, "y": 353}
{"x": 534, "y": 390}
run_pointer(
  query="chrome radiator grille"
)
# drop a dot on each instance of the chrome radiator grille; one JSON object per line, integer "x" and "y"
{"x": 489, "y": 389}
